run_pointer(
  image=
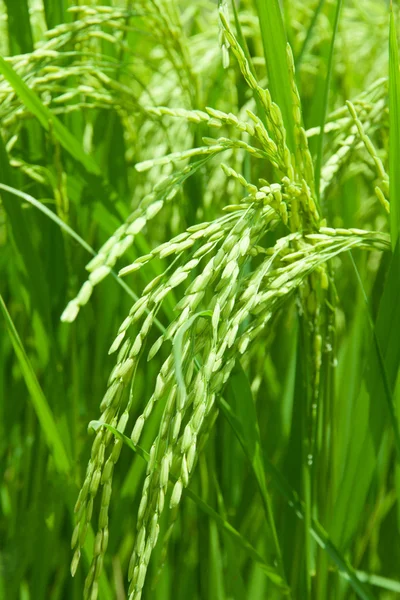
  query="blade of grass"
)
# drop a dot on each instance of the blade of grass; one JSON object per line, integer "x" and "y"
{"x": 361, "y": 446}
{"x": 19, "y": 27}
{"x": 178, "y": 347}
{"x": 54, "y": 12}
{"x": 383, "y": 332}
{"x": 38, "y": 286}
{"x": 320, "y": 535}
{"x": 274, "y": 43}
{"x": 309, "y": 33}
{"x": 234, "y": 581}
{"x": 216, "y": 588}
{"x": 394, "y": 131}
{"x": 239, "y": 394}
{"x": 48, "y": 425}
{"x": 49, "y": 213}
{"x": 304, "y": 397}
{"x": 320, "y": 148}
{"x": 382, "y": 582}
{"x": 40, "y": 405}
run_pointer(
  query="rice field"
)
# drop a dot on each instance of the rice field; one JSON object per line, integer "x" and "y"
{"x": 199, "y": 294}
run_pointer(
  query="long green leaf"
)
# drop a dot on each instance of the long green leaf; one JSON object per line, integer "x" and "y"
{"x": 178, "y": 348}
{"x": 291, "y": 496}
{"x": 373, "y": 409}
{"x": 49, "y": 427}
{"x": 385, "y": 354}
{"x": 54, "y": 11}
{"x": 40, "y": 405}
{"x": 394, "y": 135}
{"x": 38, "y": 285}
{"x": 19, "y": 27}
{"x": 49, "y": 213}
{"x": 310, "y": 32}
{"x": 274, "y": 43}
{"x": 327, "y": 89}
{"x": 239, "y": 392}
{"x": 382, "y": 582}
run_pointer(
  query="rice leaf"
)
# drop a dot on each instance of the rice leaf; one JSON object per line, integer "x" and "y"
{"x": 216, "y": 586}
{"x": 367, "y": 405}
{"x": 385, "y": 354}
{"x": 274, "y": 43}
{"x": 394, "y": 131}
{"x": 49, "y": 213}
{"x": 65, "y": 227}
{"x": 19, "y": 26}
{"x": 54, "y": 11}
{"x": 38, "y": 285}
{"x": 385, "y": 583}
{"x": 178, "y": 348}
{"x": 238, "y": 393}
{"x": 327, "y": 89}
{"x": 40, "y": 404}
{"x": 291, "y": 496}
{"x": 310, "y": 32}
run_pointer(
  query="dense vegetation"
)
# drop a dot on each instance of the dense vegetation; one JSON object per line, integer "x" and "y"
{"x": 233, "y": 343}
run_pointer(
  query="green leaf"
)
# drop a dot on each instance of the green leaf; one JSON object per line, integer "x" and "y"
{"x": 382, "y": 582}
{"x": 274, "y": 43}
{"x": 19, "y": 27}
{"x": 38, "y": 286}
{"x": 320, "y": 149}
{"x": 239, "y": 393}
{"x": 309, "y": 33}
{"x": 178, "y": 348}
{"x": 384, "y": 361}
{"x": 370, "y": 408}
{"x": 49, "y": 213}
{"x": 394, "y": 134}
{"x": 216, "y": 589}
{"x": 291, "y": 496}
{"x": 40, "y": 405}
{"x": 54, "y": 11}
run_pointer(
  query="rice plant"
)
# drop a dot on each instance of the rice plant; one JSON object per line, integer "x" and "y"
{"x": 199, "y": 230}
